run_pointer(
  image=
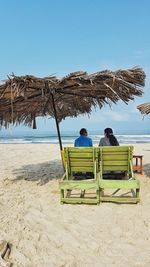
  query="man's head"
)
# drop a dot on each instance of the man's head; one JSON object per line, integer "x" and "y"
{"x": 83, "y": 131}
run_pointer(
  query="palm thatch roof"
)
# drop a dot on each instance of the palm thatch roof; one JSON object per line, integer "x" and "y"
{"x": 144, "y": 108}
{"x": 22, "y": 98}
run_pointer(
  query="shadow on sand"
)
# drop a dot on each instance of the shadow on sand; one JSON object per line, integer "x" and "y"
{"x": 41, "y": 173}
{"x": 45, "y": 172}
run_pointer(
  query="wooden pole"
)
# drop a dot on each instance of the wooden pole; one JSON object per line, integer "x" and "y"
{"x": 57, "y": 123}
{"x": 58, "y": 130}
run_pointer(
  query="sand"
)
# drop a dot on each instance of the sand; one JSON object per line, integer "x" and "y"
{"x": 44, "y": 233}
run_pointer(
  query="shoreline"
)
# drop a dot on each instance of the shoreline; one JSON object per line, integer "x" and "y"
{"x": 95, "y": 143}
{"x": 69, "y": 139}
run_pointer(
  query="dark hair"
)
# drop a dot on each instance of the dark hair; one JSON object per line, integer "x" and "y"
{"x": 112, "y": 139}
{"x": 83, "y": 131}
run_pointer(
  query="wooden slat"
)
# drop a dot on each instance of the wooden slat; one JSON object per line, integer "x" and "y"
{"x": 80, "y": 155}
{"x": 79, "y": 149}
{"x": 115, "y": 163}
{"x": 81, "y": 164}
{"x": 84, "y": 184}
{"x": 120, "y": 199}
{"x": 113, "y": 152}
{"x": 130, "y": 184}
{"x": 115, "y": 168}
{"x": 117, "y": 148}
{"x": 80, "y": 200}
{"x": 82, "y": 169}
{"x": 81, "y": 160}
{"x": 115, "y": 157}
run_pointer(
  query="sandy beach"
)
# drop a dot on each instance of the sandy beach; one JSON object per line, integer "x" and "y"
{"x": 44, "y": 233}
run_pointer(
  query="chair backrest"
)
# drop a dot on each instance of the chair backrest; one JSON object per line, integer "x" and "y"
{"x": 80, "y": 159}
{"x": 116, "y": 158}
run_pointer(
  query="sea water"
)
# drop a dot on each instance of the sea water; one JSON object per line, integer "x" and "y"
{"x": 67, "y": 138}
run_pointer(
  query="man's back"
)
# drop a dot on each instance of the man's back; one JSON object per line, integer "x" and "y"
{"x": 83, "y": 141}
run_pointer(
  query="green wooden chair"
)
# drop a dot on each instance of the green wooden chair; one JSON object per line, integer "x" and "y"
{"x": 116, "y": 161}
{"x": 80, "y": 162}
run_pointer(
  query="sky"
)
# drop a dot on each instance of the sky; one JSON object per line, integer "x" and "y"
{"x": 44, "y": 37}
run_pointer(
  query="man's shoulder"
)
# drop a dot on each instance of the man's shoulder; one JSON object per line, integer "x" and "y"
{"x": 77, "y": 139}
{"x": 89, "y": 138}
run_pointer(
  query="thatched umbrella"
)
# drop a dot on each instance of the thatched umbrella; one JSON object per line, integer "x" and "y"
{"x": 24, "y": 98}
{"x": 144, "y": 108}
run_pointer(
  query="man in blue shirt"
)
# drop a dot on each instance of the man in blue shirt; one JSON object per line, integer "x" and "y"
{"x": 83, "y": 140}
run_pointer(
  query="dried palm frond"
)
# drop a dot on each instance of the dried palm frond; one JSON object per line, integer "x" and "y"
{"x": 22, "y": 98}
{"x": 144, "y": 108}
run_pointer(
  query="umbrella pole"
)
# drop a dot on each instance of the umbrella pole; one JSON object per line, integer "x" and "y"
{"x": 57, "y": 123}
{"x": 58, "y": 130}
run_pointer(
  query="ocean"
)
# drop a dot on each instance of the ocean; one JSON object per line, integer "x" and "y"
{"x": 68, "y": 138}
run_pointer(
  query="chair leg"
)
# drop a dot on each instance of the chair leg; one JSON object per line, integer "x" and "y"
{"x": 68, "y": 192}
{"x": 138, "y": 193}
{"x": 61, "y": 195}
{"x": 98, "y": 196}
{"x": 102, "y": 192}
{"x": 141, "y": 166}
{"x": 82, "y": 193}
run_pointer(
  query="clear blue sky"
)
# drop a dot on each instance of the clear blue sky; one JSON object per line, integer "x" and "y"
{"x": 43, "y": 37}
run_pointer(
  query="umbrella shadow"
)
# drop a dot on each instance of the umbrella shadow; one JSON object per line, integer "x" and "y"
{"x": 41, "y": 173}
{"x": 146, "y": 169}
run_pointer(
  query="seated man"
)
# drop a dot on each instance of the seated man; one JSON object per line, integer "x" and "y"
{"x": 83, "y": 140}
